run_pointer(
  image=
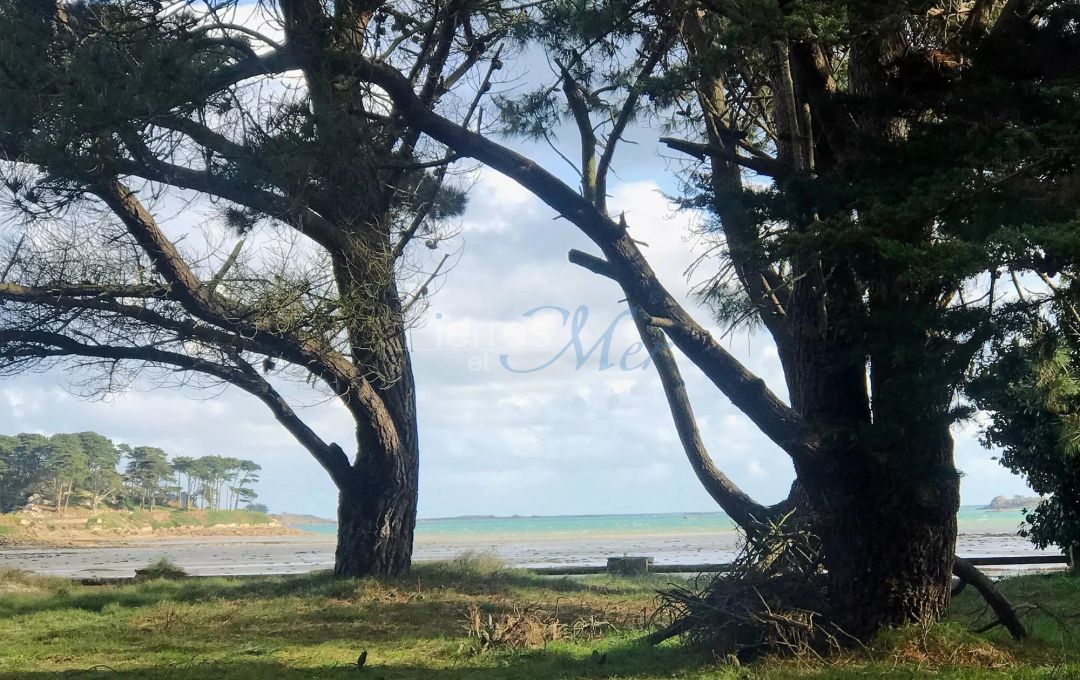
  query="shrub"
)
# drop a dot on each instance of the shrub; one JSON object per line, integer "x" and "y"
{"x": 162, "y": 567}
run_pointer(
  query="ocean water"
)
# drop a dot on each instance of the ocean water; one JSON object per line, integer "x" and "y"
{"x": 972, "y": 519}
{"x": 690, "y": 538}
{"x": 671, "y": 538}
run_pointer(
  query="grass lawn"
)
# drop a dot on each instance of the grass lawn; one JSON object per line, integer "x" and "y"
{"x": 311, "y": 626}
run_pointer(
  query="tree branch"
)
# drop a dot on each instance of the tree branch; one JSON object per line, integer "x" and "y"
{"x": 270, "y": 63}
{"x": 107, "y": 300}
{"x": 769, "y": 167}
{"x": 357, "y": 393}
{"x": 969, "y": 573}
{"x": 219, "y": 275}
{"x": 977, "y": 22}
{"x": 579, "y": 109}
{"x": 296, "y": 214}
{"x": 58, "y": 291}
{"x": 202, "y": 135}
{"x": 742, "y": 509}
{"x": 20, "y": 344}
{"x": 422, "y": 290}
{"x": 747, "y": 391}
{"x": 626, "y": 113}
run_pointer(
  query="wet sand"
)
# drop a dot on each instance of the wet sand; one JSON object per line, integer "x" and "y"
{"x": 244, "y": 555}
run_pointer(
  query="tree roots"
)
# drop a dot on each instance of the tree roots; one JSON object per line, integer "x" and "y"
{"x": 769, "y": 601}
{"x": 774, "y": 597}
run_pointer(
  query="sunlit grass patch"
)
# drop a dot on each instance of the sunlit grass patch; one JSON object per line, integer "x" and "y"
{"x": 418, "y": 626}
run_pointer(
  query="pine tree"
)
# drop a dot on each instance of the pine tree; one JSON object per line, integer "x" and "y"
{"x": 871, "y": 170}
{"x": 1030, "y": 389}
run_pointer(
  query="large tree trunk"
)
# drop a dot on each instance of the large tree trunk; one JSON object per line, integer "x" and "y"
{"x": 377, "y": 518}
{"x": 377, "y": 511}
{"x": 376, "y": 523}
{"x": 887, "y": 522}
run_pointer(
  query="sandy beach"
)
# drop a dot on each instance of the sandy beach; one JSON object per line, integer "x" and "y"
{"x": 302, "y": 551}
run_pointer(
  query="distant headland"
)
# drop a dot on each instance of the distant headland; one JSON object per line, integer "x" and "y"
{"x": 289, "y": 519}
{"x": 1015, "y": 503}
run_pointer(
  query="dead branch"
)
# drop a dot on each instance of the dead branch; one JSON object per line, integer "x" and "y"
{"x": 1006, "y": 614}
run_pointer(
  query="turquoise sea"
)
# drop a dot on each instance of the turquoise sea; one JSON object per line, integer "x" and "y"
{"x": 673, "y": 538}
{"x": 972, "y": 519}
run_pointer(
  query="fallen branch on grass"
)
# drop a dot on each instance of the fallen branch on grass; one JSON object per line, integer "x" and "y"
{"x": 1006, "y": 613}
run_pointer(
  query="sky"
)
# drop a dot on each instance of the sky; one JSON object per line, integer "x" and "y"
{"x": 514, "y": 419}
{"x": 519, "y": 413}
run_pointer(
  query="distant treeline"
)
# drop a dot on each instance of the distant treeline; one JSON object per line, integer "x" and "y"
{"x": 86, "y": 468}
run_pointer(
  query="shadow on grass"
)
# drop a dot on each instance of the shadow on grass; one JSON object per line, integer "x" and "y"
{"x": 424, "y": 577}
{"x": 624, "y": 661}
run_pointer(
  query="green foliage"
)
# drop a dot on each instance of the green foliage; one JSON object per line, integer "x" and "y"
{"x": 147, "y": 466}
{"x": 107, "y": 83}
{"x": 122, "y": 521}
{"x": 913, "y": 231}
{"x": 21, "y": 468}
{"x": 474, "y": 564}
{"x": 591, "y": 41}
{"x": 446, "y": 201}
{"x": 216, "y": 517}
{"x": 532, "y": 115}
{"x": 84, "y": 466}
{"x": 210, "y": 478}
{"x": 161, "y": 568}
{"x": 1031, "y": 391}
{"x": 100, "y": 451}
{"x": 66, "y": 465}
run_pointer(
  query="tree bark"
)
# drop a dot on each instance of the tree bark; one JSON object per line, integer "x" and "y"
{"x": 887, "y": 522}
{"x": 969, "y": 573}
{"x": 377, "y": 501}
{"x": 375, "y": 526}
{"x": 377, "y": 516}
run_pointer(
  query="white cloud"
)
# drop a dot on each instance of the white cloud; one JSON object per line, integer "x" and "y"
{"x": 563, "y": 439}
{"x": 497, "y": 204}
{"x": 16, "y": 400}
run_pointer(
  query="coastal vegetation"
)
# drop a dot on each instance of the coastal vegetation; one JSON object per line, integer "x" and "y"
{"x": 328, "y": 208}
{"x": 435, "y": 623}
{"x": 1031, "y": 393}
{"x": 90, "y": 469}
{"x": 864, "y": 174}
{"x": 84, "y": 527}
{"x": 868, "y": 172}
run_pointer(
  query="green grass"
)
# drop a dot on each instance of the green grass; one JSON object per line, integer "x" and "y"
{"x": 209, "y": 518}
{"x": 313, "y": 626}
{"x": 6, "y": 530}
{"x": 160, "y": 518}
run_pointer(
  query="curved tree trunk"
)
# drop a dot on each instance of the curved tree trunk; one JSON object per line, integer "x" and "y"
{"x": 377, "y": 518}
{"x": 1006, "y": 614}
{"x": 358, "y": 193}
{"x": 377, "y": 515}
